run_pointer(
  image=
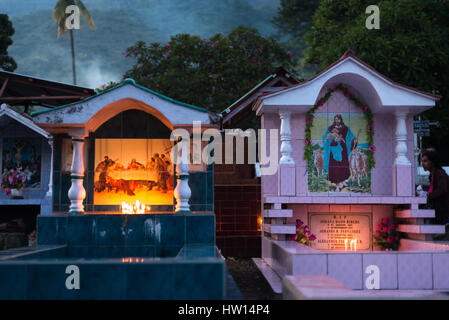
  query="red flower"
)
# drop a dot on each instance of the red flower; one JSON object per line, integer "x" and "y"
{"x": 385, "y": 220}
{"x": 372, "y": 148}
{"x": 389, "y": 239}
{"x": 307, "y": 141}
{"x": 289, "y": 53}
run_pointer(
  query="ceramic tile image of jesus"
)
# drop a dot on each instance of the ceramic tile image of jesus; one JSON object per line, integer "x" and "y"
{"x": 339, "y": 162}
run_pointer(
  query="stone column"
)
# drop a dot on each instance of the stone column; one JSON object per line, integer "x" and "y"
{"x": 402, "y": 168}
{"x": 182, "y": 192}
{"x": 76, "y": 191}
{"x": 47, "y": 204}
{"x": 50, "y": 182}
{"x": 286, "y": 147}
{"x": 287, "y": 171}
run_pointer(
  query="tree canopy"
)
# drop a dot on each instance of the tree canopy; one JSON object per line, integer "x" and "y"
{"x": 293, "y": 20}
{"x": 411, "y": 47}
{"x": 210, "y": 73}
{"x": 7, "y": 63}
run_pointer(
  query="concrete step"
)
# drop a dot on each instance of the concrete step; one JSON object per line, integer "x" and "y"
{"x": 316, "y": 287}
{"x": 422, "y": 228}
{"x": 280, "y": 228}
{"x": 420, "y": 245}
{"x": 278, "y": 213}
{"x": 414, "y": 213}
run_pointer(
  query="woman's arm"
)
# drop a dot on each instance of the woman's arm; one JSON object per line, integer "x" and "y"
{"x": 439, "y": 185}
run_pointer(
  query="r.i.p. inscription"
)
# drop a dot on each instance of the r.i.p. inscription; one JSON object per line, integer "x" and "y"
{"x": 336, "y": 231}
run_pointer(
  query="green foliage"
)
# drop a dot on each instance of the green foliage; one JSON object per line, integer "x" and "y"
{"x": 293, "y": 20}
{"x": 6, "y": 31}
{"x": 59, "y": 14}
{"x": 210, "y": 73}
{"x": 411, "y": 47}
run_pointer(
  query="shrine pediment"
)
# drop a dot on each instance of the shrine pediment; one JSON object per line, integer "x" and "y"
{"x": 381, "y": 93}
{"x": 93, "y": 111}
{"x": 7, "y": 114}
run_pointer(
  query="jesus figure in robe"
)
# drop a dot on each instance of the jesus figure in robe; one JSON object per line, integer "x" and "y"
{"x": 338, "y": 142}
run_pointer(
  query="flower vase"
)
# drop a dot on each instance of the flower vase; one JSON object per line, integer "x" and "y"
{"x": 16, "y": 193}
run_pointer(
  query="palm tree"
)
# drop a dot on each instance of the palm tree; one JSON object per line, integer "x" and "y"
{"x": 59, "y": 15}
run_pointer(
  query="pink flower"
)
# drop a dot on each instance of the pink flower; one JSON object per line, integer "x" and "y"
{"x": 385, "y": 220}
{"x": 307, "y": 141}
{"x": 369, "y": 128}
{"x": 299, "y": 222}
{"x": 392, "y": 226}
{"x": 389, "y": 239}
{"x": 295, "y": 237}
{"x": 378, "y": 233}
{"x": 168, "y": 45}
{"x": 7, "y": 191}
{"x": 312, "y": 237}
{"x": 308, "y": 234}
{"x": 380, "y": 226}
{"x": 289, "y": 53}
{"x": 306, "y": 228}
{"x": 372, "y": 148}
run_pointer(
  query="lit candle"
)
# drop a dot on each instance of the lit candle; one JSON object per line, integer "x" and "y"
{"x": 346, "y": 244}
{"x": 355, "y": 244}
{"x": 351, "y": 243}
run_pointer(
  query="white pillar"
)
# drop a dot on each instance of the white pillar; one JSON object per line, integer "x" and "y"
{"x": 286, "y": 147}
{"x": 76, "y": 191}
{"x": 401, "y": 139}
{"x": 182, "y": 192}
{"x": 50, "y": 182}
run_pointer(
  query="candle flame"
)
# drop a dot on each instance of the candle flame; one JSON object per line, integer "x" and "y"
{"x": 137, "y": 208}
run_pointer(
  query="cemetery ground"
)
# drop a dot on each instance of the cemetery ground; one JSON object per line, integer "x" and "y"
{"x": 250, "y": 281}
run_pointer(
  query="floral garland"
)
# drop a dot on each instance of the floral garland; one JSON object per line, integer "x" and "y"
{"x": 366, "y": 112}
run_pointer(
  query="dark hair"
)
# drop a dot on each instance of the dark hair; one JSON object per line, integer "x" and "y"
{"x": 433, "y": 156}
{"x": 340, "y": 117}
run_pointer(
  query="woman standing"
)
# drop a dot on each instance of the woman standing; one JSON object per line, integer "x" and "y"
{"x": 438, "y": 194}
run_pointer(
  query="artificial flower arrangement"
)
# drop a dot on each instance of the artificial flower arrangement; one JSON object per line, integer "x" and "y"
{"x": 387, "y": 236}
{"x": 13, "y": 179}
{"x": 303, "y": 234}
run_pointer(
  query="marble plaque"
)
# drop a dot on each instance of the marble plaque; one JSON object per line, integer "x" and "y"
{"x": 332, "y": 230}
